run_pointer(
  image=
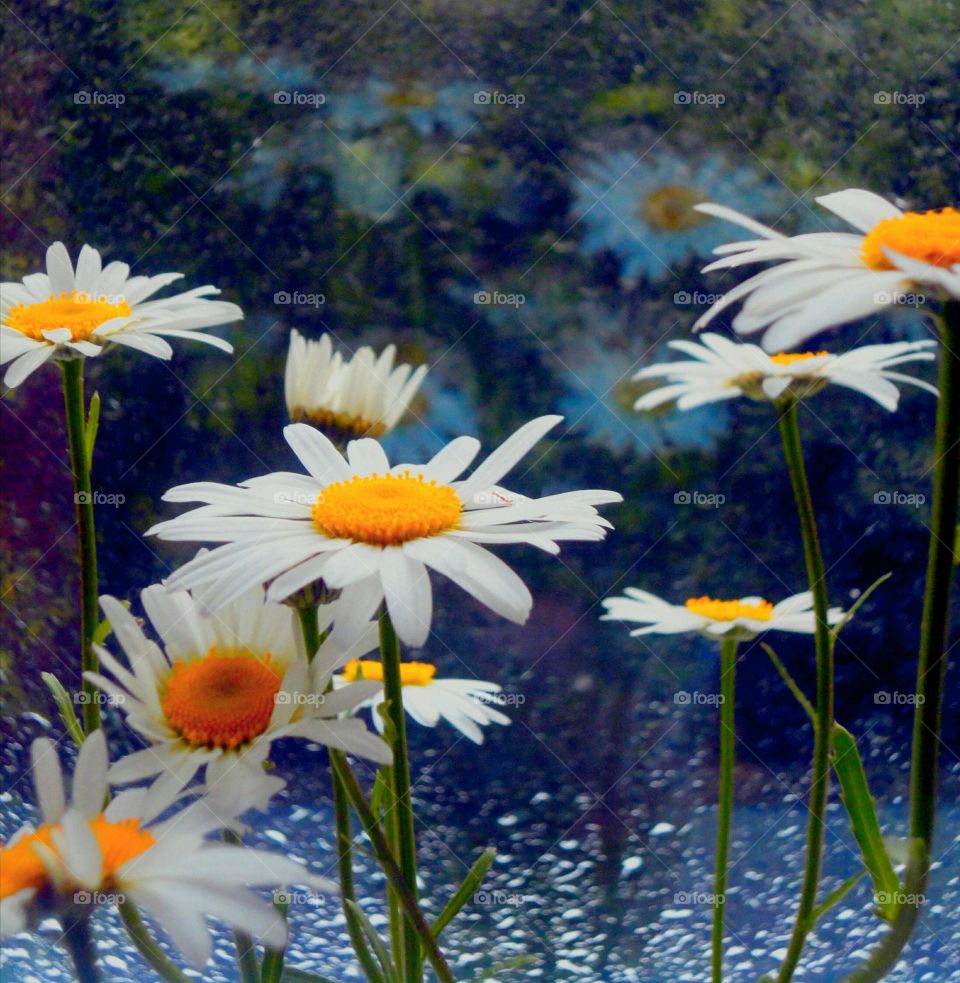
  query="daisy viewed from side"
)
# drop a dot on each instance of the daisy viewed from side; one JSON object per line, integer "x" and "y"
{"x": 372, "y": 530}
{"x": 824, "y": 279}
{"x": 77, "y": 312}
{"x": 222, "y": 689}
{"x": 720, "y": 369}
{"x": 743, "y": 618}
{"x": 83, "y": 854}
{"x": 364, "y": 396}
{"x": 464, "y": 703}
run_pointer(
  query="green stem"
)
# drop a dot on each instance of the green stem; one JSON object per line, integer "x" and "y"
{"x": 389, "y": 865}
{"x": 934, "y": 638}
{"x": 147, "y": 947}
{"x": 78, "y": 941}
{"x": 83, "y": 497}
{"x": 400, "y": 773}
{"x": 247, "y": 961}
{"x": 823, "y": 722}
{"x": 728, "y": 669}
{"x": 311, "y": 640}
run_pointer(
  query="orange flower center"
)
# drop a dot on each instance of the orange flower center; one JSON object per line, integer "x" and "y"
{"x": 729, "y": 610}
{"x": 341, "y": 426}
{"x": 670, "y": 208}
{"x": 386, "y": 510}
{"x": 221, "y": 700}
{"x": 80, "y": 313}
{"x": 411, "y": 673}
{"x": 932, "y": 237}
{"x": 21, "y": 866}
{"x": 789, "y": 358}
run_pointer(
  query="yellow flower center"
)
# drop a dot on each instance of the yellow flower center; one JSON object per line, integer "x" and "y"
{"x": 340, "y": 426}
{"x": 789, "y": 358}
{"x": 412, "y": 98}
{"x": 22, "y": 868}
{"x": 411, "y": 673}
{"x": 386, "y": 510}
{"x": 80, "y": 313}
{"x": 670, "y": 208}
{"x": 221, "y": 700}
{"x": 729, "y": 610}
{"x": 932, "y": 237}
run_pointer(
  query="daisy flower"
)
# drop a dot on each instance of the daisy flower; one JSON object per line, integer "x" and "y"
{"x": 363, "y": 396}
{"x": 744, "y": 618}
{"x": 70, "y": 313}
{"x": 222, "y": 689}
{"x": 828, "y": 278}
{"x": 82, "y": 855}
{"x": 721, "y": 369}
{"x": 463, "y": 703}
{"x": 373, "y": 531}
{"x": 641, "y": 207}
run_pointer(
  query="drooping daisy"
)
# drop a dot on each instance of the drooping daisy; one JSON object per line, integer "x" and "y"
{"x": 71, "y": 313}
{"x": 83, "y": 855}
{"x": 743, "y": 618}
{"x": 823, "y": 279}
{"x": 721, "y": 369}
{"x": 222, "y": 689}
{"x": 364, "y": 396}
{"x": 373, "y": 531}
{"x": 463, "y": 703}
{"x": 640, "y": 207}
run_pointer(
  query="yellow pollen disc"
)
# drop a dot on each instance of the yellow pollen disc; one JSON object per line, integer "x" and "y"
{"x": 386, "y": 510}
{"x": 22, "y": 868}
{"x": 670, "y": 208}
{"x": 789, "y": 358}
{"x": 80, "y": 313}
{"x": 729, "y": 610}
{"x": 221, "y": 700}
{"x": 411, "y": 673}
{"x": 932, "y": 237}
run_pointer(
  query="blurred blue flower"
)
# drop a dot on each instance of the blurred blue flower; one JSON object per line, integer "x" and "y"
{"x": 641, "y": 209}
{"x": 426, "y": 108}
{"x": 274, "y": 74}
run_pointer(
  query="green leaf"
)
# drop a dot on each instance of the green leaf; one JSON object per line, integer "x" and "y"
{"x": 64, "y": 704}
{"x": 90, "y": 428}
{"x": 383, "y": 957}
{"x": 271, "y": 969}
{"x": 789, "y": 680}
{"x": 102, "y": 631}
{"x": 292, "y": 975}
{"x": 860, "y": 601}
{"x": 466, "y": 891}
{"x": 862, "y": 811}
{"x": 505, "y": 965}
{"x": 841, "y": 892}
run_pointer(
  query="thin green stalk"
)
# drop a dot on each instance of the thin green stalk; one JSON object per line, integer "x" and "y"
{"x": 78, "y": 941}
{"x": 311, "y": 640}
{"x": 75, "y": 410}
{"x": 389, "y": 865}
{"x": 823, "y": 722}
{"x": 247, "y": 961}
{"x": 932, "y": 659}
{"x": 728, "y": 669}
{"x": 400, "y": 773}
{"x": 147, "y": 947}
